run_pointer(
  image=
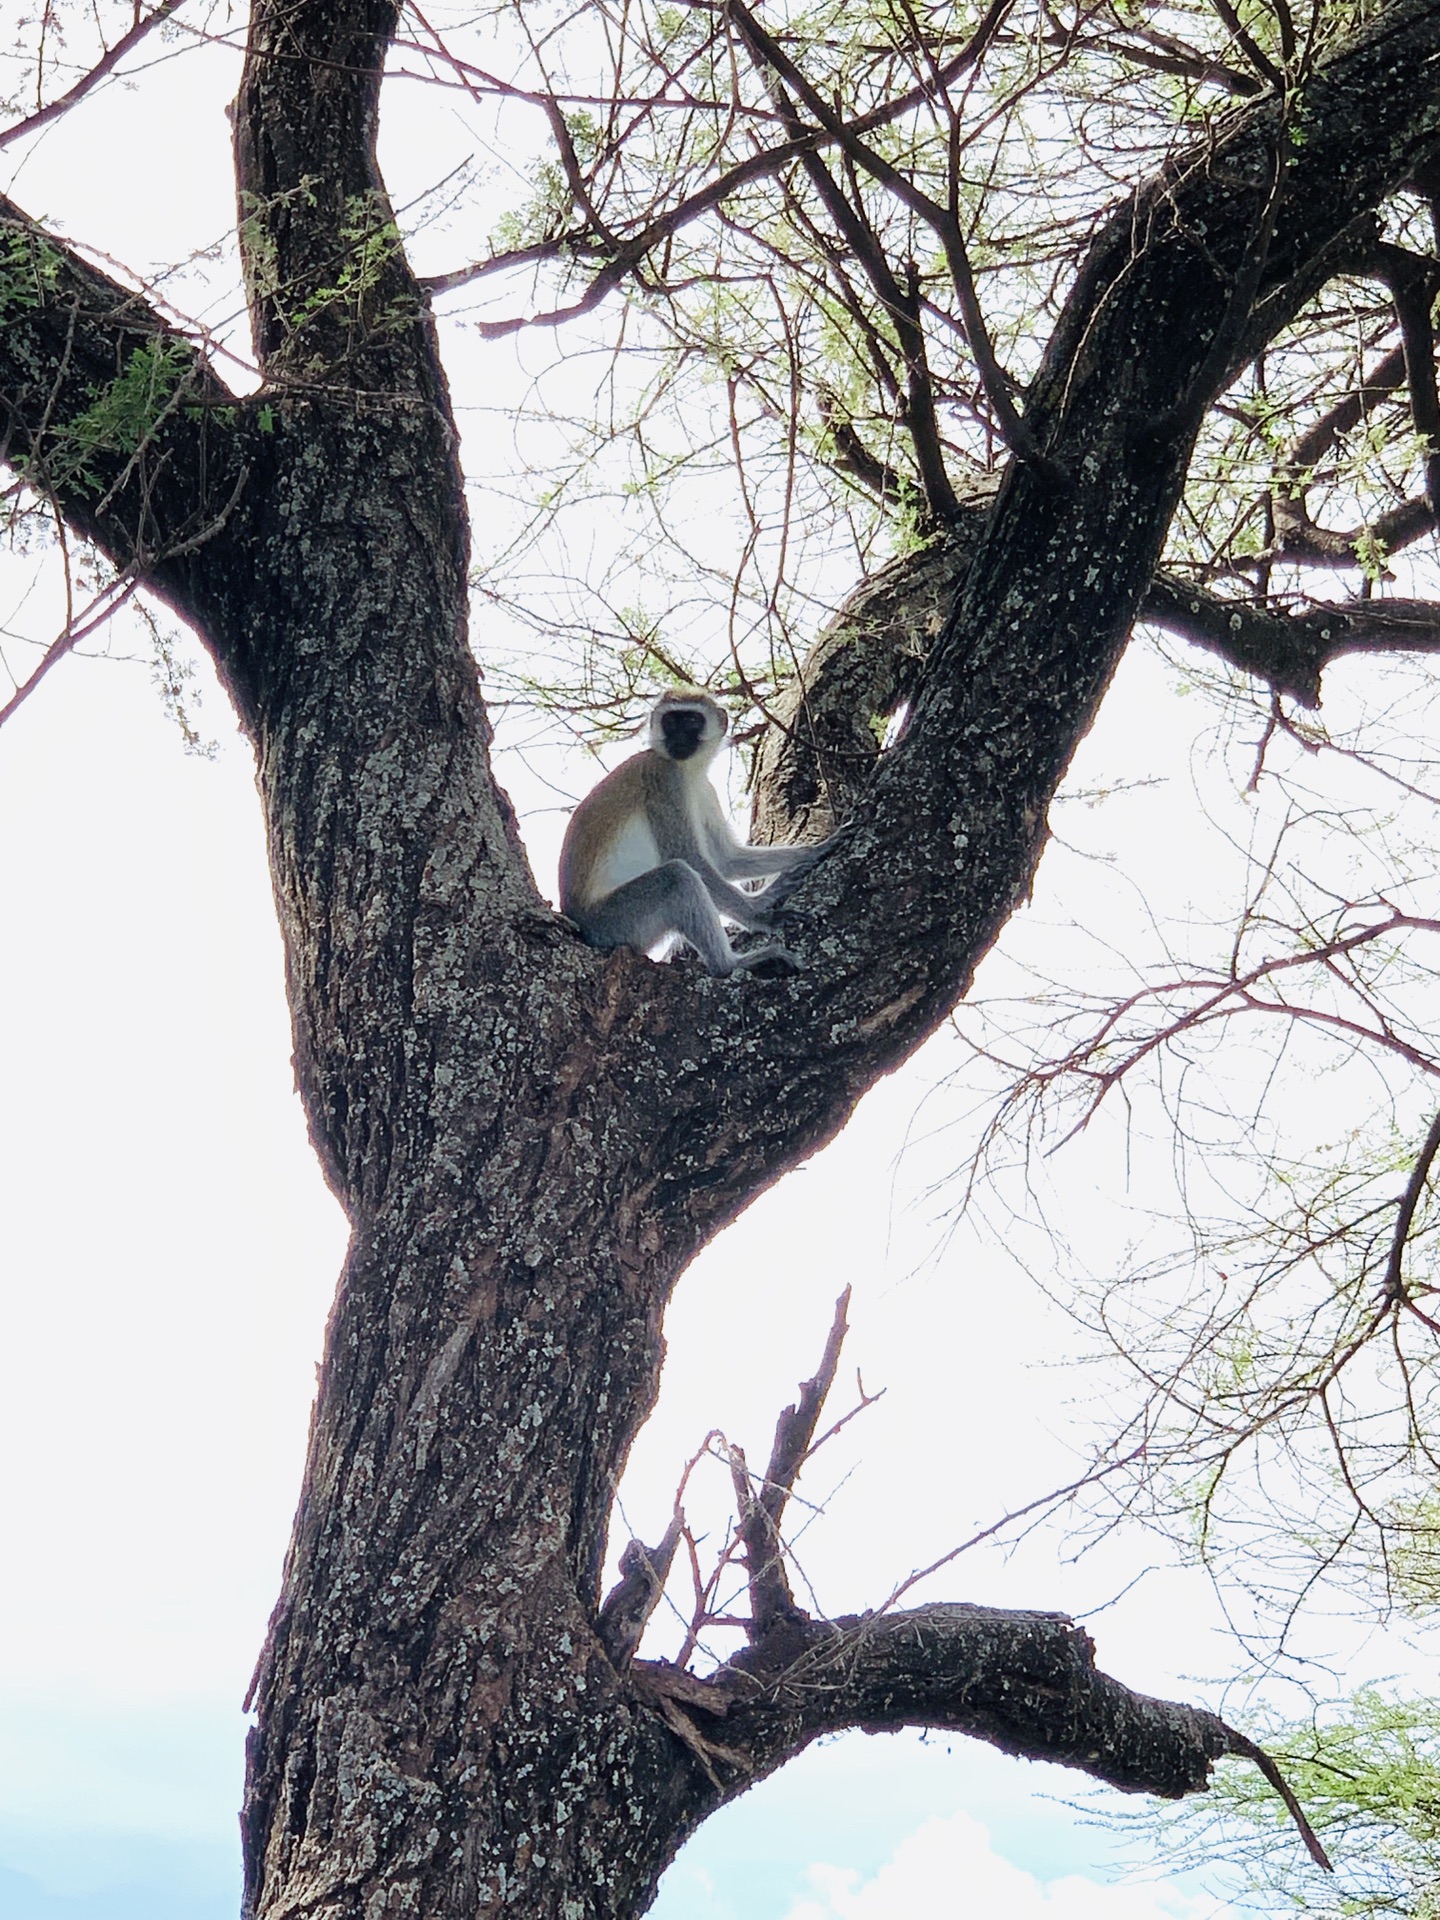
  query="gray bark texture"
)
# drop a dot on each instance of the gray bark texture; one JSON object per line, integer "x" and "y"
{"x": 532, "y": 1139}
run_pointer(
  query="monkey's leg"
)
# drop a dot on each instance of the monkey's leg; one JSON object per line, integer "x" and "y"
{"x": 747, "y": 910}
{"x": 697, "y": 918}
{"x": 673, "y": 898}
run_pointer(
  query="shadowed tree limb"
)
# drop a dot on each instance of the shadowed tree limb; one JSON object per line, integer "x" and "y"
{"x": 1271, "y": 74}
{"x": 823, "y": 746}
{"x": 114, "y": 416}
{"x": 1412, "y": 279}
{"x": 1413, "y": 282}
{"x": 1024, "y": 1681}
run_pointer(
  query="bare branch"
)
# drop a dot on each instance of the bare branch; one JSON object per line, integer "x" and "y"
{"x": 1025, "y": 1682}
{"x": 1162, "y": 52}
{"x": 144, "y": 24}
{"x": 1247, "y": 1749}
{"x": 771, "y": 1600}
{"x": 795, "y": 1429}
{"x": 1266, "y": 68}
{"x": 96, "y": 615}
{"x": 1396, "y": 1290}
{"x": 635, "y": 1596}
{"x": 1290, "y": 650}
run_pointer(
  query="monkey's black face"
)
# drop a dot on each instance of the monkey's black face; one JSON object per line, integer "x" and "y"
{"x": 684, "y": 729}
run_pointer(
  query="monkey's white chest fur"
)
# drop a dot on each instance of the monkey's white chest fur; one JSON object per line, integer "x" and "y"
{"x": 631, "y": 852}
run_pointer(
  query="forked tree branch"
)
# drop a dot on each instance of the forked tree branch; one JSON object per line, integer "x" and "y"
{"x": 869, "y": 661}
{"x": 1024, "y": 1681}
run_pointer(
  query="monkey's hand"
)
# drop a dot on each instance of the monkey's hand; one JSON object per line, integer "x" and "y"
{"x": 777, "y": 891}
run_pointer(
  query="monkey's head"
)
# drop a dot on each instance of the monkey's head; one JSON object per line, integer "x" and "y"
{"x": 684, "y": 721}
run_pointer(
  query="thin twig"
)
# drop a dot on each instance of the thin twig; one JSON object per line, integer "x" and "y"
{"x": 102, "y": 608}
{"x": 106, "y": 65}
{"x": 1396, "y": 1293}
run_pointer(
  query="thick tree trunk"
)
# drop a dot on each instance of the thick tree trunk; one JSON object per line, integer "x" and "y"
{"x": 531, "y": 1139}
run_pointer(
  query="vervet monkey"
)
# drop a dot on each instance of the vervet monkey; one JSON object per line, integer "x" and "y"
{"x": 649, "y": 853}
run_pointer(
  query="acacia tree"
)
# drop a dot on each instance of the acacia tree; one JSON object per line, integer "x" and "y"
{"x": 532, "y": 1139}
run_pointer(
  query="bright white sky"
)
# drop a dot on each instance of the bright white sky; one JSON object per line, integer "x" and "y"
{"x": 168, "y": 1252}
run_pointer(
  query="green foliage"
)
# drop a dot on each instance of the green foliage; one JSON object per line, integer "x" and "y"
{"x": 121, "y": 418}
{"x": 1368, "y": 1777}
{"x": 1415, "y": 1554}
{"x": 756, "y": 324}
{"x": 367, "y": 245}
{"x": 173, "y": 675}
{"x": 29, "y": 269}
{"x": 1371, "y": 554}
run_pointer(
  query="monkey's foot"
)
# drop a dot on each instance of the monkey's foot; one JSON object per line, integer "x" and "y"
{"x": 775, "y": 959}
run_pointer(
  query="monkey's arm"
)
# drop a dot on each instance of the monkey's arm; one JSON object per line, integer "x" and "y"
{"x": 735, "y": 859}
{"x": 743, "y": 862}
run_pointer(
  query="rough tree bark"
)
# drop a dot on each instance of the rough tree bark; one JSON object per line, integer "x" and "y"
{"x": 532, "y": 1139}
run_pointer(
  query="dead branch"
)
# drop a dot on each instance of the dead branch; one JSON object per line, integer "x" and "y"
{"x": 1024, "y": 1681}
{"x": 636, "y": 1594}
{"x": 760, "y": 1515}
